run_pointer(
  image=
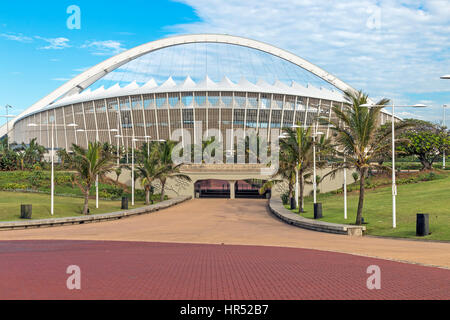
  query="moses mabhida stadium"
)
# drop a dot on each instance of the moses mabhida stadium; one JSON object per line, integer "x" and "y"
{"x": 223, "y": 82}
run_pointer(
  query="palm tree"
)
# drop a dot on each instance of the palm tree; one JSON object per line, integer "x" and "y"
{"x": 90, "y": 163}
{"x": 300, "y": 142}
{"x": 286, "y": 172}
{"x": 148, "y": 172}
{"x": 361, "y": 141}
{"x": 34, "y": 152}
{"x": 166, "y": 169}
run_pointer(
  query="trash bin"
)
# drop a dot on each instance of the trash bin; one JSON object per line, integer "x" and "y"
{"x": 423, "y": 224}
{"x": 124, "y": 203}
{"x": 318, "y": 211}
{"x": 26, "y": 211}
{"x": 293, "y": 204}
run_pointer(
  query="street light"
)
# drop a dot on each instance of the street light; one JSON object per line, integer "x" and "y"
{"x": 444, "y": 124}
{"x": 133, "y": 140}
{"x": 394, "y": 184}
{"x": 52, "y": 196}
{"x": 97, "y": 139}
{"x": 446, "y": 77}
{"x": 315, "y": 135}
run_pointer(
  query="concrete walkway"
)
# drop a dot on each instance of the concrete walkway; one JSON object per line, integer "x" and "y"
{"x": 237, "y": 222}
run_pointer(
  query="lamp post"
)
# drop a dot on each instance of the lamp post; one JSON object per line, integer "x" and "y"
{"x": 315, "y": 135}
{"x": 345, "y": 188}
{"x": 133, "y": 140}
{"x": 52, "y": 183}
{"x": 444, "y": 124}
{"x": 394, "y": 183}
{"x": 97, "y": 139}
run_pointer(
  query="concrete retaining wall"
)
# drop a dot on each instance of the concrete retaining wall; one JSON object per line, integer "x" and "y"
{"x": 278, "y": 209}
{"x": 28, "y": 224}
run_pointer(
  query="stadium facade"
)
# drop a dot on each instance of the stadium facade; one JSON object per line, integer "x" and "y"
{"x": 154, "y": 109}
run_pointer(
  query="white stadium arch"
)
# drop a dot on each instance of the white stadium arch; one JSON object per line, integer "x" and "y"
{"x": 85, "y": 79}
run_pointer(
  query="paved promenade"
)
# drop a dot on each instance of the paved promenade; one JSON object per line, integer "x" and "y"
{"x": 215, "y": 249}
{"x": 238, "y": 222}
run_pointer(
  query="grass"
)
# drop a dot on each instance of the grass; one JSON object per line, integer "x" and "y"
{"x": 64, "y": 206}
{"x": 430, "y": 197}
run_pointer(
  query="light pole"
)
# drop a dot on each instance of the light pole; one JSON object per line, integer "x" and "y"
{"x": 444, "y": 124}
{"x": 394, "y": 183}
{"x": 315, "y": 135}
{"x": 345, "y": 187}
{"x": 133, "y": 140}
{"x": 52, "y": 183}
{"x": 97, "y": 139}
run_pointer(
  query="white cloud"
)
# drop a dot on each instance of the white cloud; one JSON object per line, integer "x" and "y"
{"x": 54, "y": 43}
{"x": 406, "y": 50}
{"x": 16, "y": 37}
{"x": 104, "y": 48}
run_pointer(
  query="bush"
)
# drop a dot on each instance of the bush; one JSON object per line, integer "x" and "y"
{"x": 285, "y": 198}
{"x": 14, "y": 186}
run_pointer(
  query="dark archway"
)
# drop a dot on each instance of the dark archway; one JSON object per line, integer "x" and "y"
{"x": 212, "y": 189}
{"x": 249, "y": 189}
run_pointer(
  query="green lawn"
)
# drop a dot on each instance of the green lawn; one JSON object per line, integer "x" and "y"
{"x": 432, "y": 197}
{"x": 64, "y": 206}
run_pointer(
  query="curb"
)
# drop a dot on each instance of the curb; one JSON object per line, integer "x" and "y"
{"x": 18, "y": 225}
{"x": 277, "y": 208}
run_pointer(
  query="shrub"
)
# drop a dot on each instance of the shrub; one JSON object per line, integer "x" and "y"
{"x": 285, "y": 198}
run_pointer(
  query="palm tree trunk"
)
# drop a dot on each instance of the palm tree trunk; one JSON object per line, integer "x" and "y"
{"x": 163, "y": 184}
{"x": 147, "y": 196}
{"x": 86, "y": 201}
{"x": 362, "y": 188}
{"x": 302, "y": 190}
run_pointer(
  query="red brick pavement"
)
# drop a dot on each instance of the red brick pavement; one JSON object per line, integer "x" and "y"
{"x": 159, "y": 271}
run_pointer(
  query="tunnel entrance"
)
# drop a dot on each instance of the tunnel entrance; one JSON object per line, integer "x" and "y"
{"x": 212, "y": 189}
{"x": 243, "y": 189}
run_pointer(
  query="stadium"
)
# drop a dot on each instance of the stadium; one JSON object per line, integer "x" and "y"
{"x": 223, "y": 82}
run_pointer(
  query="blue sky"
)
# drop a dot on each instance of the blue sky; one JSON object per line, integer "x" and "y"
{"x": 387, "y": 48}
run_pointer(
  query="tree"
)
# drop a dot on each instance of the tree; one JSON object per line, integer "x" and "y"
{"x": 89, "y": 163}
{"x": 426, "y": 141}
{"x": 300, "y": 144}
{"x": 118, "y": 172}
{"x": 148, "y": 172}
{"x": 166, "y": 168}
{"x": 286, "y": 171}
{"x": 34, "y": 152}
{"x": 360, "y": 141}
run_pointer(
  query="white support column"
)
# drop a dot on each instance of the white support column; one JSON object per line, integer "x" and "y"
{"x": 220, "y": 113}
{"x": 181, "y": 119}
{"x": 232, "y": 116}
{"x": 156, "y": 116}
{"x": 85, "y": 127}
{"x": 97, "y": 133}
{"x": 65, "y": 128}
{"x": 329, "y": 119}
{"x": 207, "y": 110}
{"x": 270, "y": 118}
{"x": 119, "y": 115}
{"x": 232, "y": 189}
{"x": 74, "y": 129}
{"x": 282, "y": 112}
{"x": 306, "y": 112}
{"x": 107, "y": 121}
{"x": 56, "y": 128}
{"x": 295, "y": 110}
{"x": 318, "y": 115}
{"x": 132, "y": 118}
{"x": 258, "y": 113}
{"x": 143, "y": 117}
{"x": 245, "y": 114}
